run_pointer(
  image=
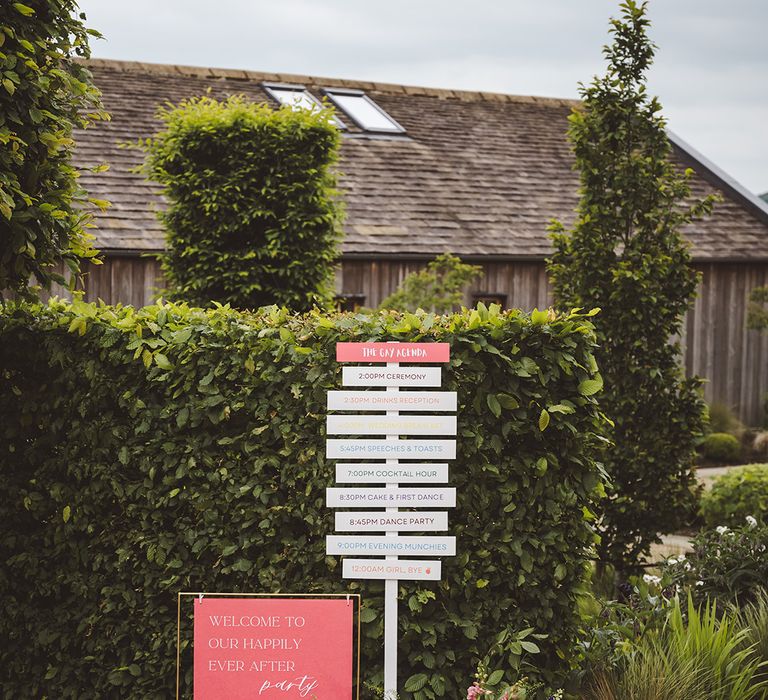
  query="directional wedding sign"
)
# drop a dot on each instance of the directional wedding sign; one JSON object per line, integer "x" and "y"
{"x": 425, "y": 432}
{"x": 390, "y": 376}
{"x": 390, "y": 449}
{"x": 421, "y": 521}
{"x": 391, "y": 401}
{"x": 365, "y": 473}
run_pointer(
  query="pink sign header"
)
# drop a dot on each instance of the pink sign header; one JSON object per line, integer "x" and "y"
{"x": 269, "y": 648}
{"x": 393, "y": 352}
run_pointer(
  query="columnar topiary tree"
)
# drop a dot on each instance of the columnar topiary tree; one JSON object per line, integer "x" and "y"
{"x": 626, "y": 255}
{"x": 252, "y": 215}
{"x": 43, "y": 95}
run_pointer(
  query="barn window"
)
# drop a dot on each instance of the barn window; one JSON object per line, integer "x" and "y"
{"x": 488, "y": 299}
{"x": 363, "y": 111}
{"x": 349, "y": 302}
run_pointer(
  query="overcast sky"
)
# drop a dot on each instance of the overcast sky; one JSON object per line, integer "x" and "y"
{"x": 711, "y": 69}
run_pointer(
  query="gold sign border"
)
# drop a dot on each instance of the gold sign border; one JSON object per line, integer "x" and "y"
{"x": 349, "y": 596}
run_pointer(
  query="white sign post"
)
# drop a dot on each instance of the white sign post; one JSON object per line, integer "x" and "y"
{"x": 391, "y": 425}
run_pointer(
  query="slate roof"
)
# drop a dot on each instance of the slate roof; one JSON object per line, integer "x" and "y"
{"x": 478, "y": 174}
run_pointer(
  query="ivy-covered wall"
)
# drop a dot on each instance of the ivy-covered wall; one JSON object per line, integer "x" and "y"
{"x": 166, "y": 449}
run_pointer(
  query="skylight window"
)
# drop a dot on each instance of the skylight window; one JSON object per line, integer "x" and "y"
{"x": 297, "y": 97}
{"x": 362, "y": 110}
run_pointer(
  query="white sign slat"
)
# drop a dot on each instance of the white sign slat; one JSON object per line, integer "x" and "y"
{"x": 444, "y": 497}
{"x": 390, "y": 449}
{"x": 390, "y": 425}
{"x": 405, "y": 570}
{"x": 392, "y": 401}
{"x": 392, "y": 545}
{"x": 390, "y": 376}
{"x": 376, "y": 521}
{"x": 353, "y": 473}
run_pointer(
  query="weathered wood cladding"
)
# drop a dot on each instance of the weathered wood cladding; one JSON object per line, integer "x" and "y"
{"x": 128, "y": 279}
{"x": 522, "y": 284}
{"x": 716, "y": 342}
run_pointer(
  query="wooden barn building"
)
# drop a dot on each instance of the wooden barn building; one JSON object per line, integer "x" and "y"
{"x": 427, "y": 171}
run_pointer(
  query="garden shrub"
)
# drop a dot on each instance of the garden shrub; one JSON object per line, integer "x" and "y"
{"x": 720, "y": 447}
{"x": 439, "y": 287}
{"x": 151, "y": 451}
{"x": 741, "y": 492}
{"x": 699, "y": 654}
{"x": 44, "y": 94}
{"x": 252, "y": 215}
{"x": 757, "y": 311}
{"x": 727, "y": 564}
{"x": 722, "y": 419}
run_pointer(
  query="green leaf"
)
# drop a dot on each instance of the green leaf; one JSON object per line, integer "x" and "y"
{"x": 526, "y": 561}
{"x": 508, "y": 402}
{"x": 416, "y": 682}
{"x": 495, "y": 677}
{"x": 482, "y": 582}
{"x": 24, "y": 9}
{"x": 368, "y": 615}
{"x": 162, "y": 361}
{"x": 539, "y": 318}
{"x": 530, "y": 647}
{"x": 493, "y": 404}
{"x": 543, "y": 420}
{"x": 66, "y": 513}
{"x": 591, "y": 386}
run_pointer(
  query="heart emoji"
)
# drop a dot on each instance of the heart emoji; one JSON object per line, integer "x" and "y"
{"x": 428, "y": 571}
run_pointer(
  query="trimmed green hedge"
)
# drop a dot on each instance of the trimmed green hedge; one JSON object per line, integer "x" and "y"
{"x": 166, "y": 449}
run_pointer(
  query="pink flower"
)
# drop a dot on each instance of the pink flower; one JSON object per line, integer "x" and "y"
{"x": 474, "y": 691}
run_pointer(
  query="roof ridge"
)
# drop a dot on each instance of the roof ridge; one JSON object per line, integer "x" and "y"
{"x": 391, "y": 88}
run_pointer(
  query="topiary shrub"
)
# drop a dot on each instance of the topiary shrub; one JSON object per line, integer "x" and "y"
{"x": 252, "y": 215}
{"x": 741, "y": 493}
{"x": 720, "y": 447}
{"x": 174, "y": 449}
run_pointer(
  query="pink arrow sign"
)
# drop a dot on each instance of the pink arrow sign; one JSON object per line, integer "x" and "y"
{"x": 393, "y": 352}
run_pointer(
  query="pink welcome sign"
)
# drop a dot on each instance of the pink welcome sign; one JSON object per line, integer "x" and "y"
{"x": 273, "y": 648}
{"x": 393, "y": 352}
